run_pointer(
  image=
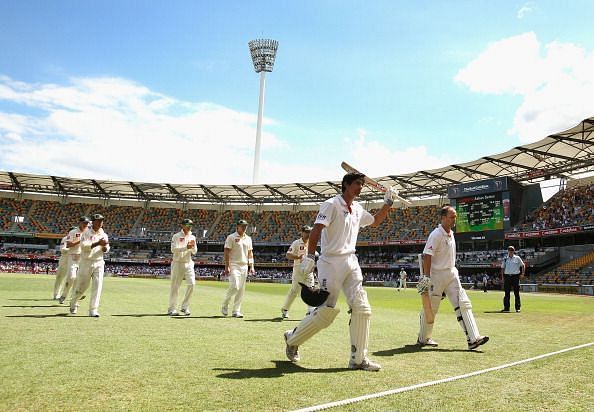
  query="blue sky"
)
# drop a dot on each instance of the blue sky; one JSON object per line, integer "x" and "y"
{"x": 166, "y": 91}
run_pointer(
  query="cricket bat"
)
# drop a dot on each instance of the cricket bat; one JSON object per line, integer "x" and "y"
{"x": 425, "y": 299}
{"x": 371, "y": 182}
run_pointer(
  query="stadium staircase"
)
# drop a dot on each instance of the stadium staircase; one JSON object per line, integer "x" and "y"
{"x": 211, "y": 234}
{"x": 138, "y": 222}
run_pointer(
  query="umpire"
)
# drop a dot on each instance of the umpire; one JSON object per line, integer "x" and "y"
{"x": 512, "y": 270}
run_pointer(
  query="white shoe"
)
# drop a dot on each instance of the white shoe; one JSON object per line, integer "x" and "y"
{"x": 61, "y": 299}
{"x": 237, "y": 315}
{"x": 480, "y": 341}
{"x": 94, "y": 314}
{"x": 284, "y": 314}
{"x": 291, "y": 351}
{"x": 224, "y": 310}
{"x": 430, "y": 342}
{"x": 185, "y": 312}
{"x": 73, "y": 309}
{"x": 172, "y": 312}
{"x": 366, "y": 365}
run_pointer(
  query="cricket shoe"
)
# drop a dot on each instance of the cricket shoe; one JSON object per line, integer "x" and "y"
{"x": 480, "y": 341}
{"x": 61, "y": 299}
{"x": 73, "y": 309}
{"x": 94, "y": 314}
{"x": 291, "y": 351}
{"x": 172, "y": 312}
{"x": 429, "y": 342}
{"x": 224, "y": 310}
{"x": 366, "y": 365}
{"x": 238, "y": 315}
{"x": 185, "y": 312}
{"x": 284, "y": 314}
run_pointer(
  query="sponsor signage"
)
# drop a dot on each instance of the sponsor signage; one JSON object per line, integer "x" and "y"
{"x": 548, "y": 232}
{"x": 477, "y": 188}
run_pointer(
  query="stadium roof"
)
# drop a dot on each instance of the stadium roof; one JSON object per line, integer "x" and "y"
{"x": 559, "y": 155}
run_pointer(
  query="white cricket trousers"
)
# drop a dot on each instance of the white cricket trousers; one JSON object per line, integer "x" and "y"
{"x": 179, "y": 271}
{"x": 71, "y": 274}
{"x": 295, "y": 290}
{"x": 237, "y": 278}
{"x": 60, "y": 276}
{"x": 89, "y": 270}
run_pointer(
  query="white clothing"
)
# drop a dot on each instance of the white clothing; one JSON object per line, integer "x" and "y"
{"x": 238, "y": 246}
{"x": 91, "y": 267}
{"x": 73, "y": 236}
{"x": 342, "y": 225}
{"x": 297, "y": 248}
{"x": 62, "y": 270}
{"x": 512, "y": 265}
{"x": 182, "y": 267}
{"x": 441, "y": 246}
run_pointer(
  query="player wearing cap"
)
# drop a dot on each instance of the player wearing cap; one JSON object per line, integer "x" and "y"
{"x": 439, "y": 265}
{"x": 93, "y": 244}
{"x": 183, "y": 246}
{"x": 73, "y": 245}
{"x": 296, "y": 251}
{"x": 239, "y": 260}
{"x": 62, "y": 267}
{"x": 337, "y": 224}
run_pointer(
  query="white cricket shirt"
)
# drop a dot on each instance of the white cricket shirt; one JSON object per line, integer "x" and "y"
{"x": 87, "y": 239}
{"x": 74, "y": 236}
{"x": 179, "y": 247}
{"x": 341, "y": 225}
{"x": 238, "y": 246}
{"x": 297, "y": 248}
{"x": 441, "y": 246}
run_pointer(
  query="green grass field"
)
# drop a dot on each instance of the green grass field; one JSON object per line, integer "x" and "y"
{"x": 136, "y": 358}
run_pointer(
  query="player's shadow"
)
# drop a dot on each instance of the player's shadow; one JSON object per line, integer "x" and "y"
{"x": 198, "y": 317}
{"x": 33, "y": 306}
{"x": 281, "y": 368}
{"x": 414, "y": 348}
{"x": 141, "y": 315}
{"x": 34, "y": 300}
{"x": 497, "y": 311}
{"x": 55, "y": 315}
{"x": 277, "y": 319}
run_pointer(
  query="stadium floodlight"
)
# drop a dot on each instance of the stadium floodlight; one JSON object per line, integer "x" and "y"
{"x": 263, "y": 53}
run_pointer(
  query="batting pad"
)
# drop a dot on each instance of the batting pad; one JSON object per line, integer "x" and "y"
{"x": 319, "y": 319}
{"x": 466, "y": 318}
{"x": 359, "y": 331}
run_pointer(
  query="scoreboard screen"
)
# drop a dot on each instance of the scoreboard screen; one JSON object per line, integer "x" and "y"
{"x": 479, "y": 213}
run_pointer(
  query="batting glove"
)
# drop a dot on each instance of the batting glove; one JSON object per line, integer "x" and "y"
{"x": 423, "y": 285}
{"x": 307, "y": 264}
{"x": 390, "y": 196}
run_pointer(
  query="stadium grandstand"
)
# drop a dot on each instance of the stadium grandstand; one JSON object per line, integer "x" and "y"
{"x": 498, "y": 199}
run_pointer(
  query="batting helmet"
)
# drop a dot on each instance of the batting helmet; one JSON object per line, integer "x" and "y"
{"x": 84, "y": 219}
{"x": 306, "y": 228}
{"x": 187, "y": 222}
{"x": 313, "y": 297}
{"x": 242, "y": 222}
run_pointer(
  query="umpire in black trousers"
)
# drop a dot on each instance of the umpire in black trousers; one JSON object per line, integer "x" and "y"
{"x": 512, "y": 270}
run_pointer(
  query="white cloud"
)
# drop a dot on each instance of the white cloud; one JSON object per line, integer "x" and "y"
{"x": 556, "y": 82}
{"x": 112, "y": 128}
{"x": 525, "y": 9}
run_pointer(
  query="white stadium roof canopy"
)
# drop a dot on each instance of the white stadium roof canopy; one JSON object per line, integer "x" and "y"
{"x": 560, "y": 155}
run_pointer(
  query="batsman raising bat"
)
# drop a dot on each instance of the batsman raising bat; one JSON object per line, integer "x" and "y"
{"x": 441, "y": 276}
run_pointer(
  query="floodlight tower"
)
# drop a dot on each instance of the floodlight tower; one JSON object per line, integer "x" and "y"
{"x": 263, "y": 53}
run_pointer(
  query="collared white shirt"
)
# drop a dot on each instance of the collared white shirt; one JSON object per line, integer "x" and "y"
{"x": 73, "y": 236}
{"x": 441, "y": 246}
{"x": 512, "y": 265}
{"x": 63, "y": 246}
{"x": 298, "y": 248}
{"x": 402, "y": 274}
{"x": 341, "y": 225}
{"x": 238, "y": 246}
{"x": 87, "y": 239}
{"x": 179, "y": 247}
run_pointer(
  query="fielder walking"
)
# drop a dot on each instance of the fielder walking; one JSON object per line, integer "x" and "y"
{"x": 296, "y": 251}
{"x": 183, "y": 246}
{"x": 512, "y": 269}
{"x": 337, "y": 224}
{"x": 62, "y": 269}
{"x": 73, "y": 245}
{"x": 239, "y": 260}
{"x": 439, "y": 265}
{"x": 94, "y": 243}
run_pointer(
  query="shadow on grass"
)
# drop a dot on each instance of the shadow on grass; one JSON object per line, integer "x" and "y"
{"x": 34, "y": 300}
{"x": 416, "y": 348}
{"x": 199, "y": 317}
{"x": 33, "y": 306}
{"x": 498, "y": 311}
{"x": 281, "y": 368}
{"x": 277, "y": 319}
{"x": 142, "y": 315}
{"x": 55, "y": 315}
